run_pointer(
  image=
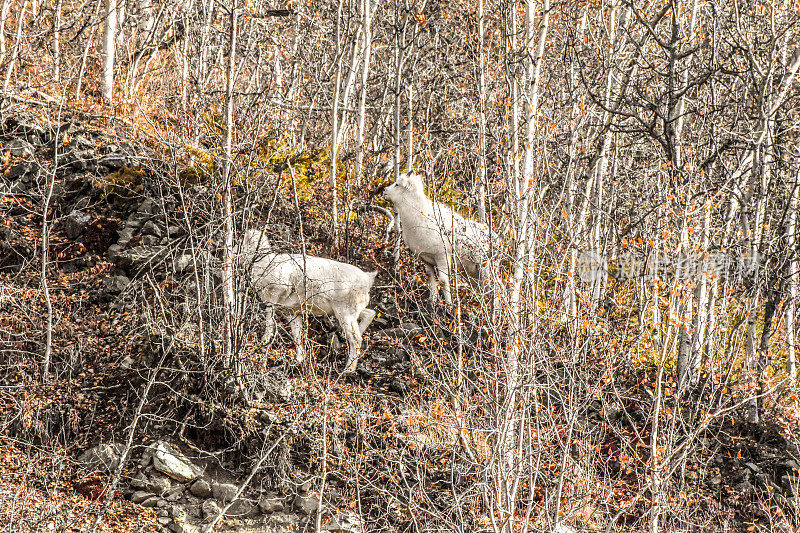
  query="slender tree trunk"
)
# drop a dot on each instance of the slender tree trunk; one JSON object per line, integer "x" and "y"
{"x": 684, "y": 304}
{"x": 366, "y": 21}
{"x": 109, "y": 48}
{"x": 3, "y": 18}
{"x": 227, "y": 194}
{"x": 57, "y": 42}
{"x": 335, "y": 126}
{"x": 349, "y": 84}
{"x": 510, "y": 436}
{"x": 17, "y": 45}
{"x": 410, "y": 126}
{"x": 791, "y": 279}
{"x": 763, "y": 350}
{"x": 480, "y": 179}
{"x": 570, "y": 300}
{"x": 48, "y": 343}
{"x": 398, "y": 66}
{"x": 121, "y": 13}
{"x": 85, "y": 54}
{"x": 699, "y": 323}
{"x": 678, "y": 81}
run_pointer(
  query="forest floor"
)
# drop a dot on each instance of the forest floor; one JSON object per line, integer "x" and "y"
{"x": 104, "y": 344}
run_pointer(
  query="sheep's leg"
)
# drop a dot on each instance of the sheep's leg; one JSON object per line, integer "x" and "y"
{"x": 296, "y": 327}
{"x": 351, "y": 331}
{"x": 270, "y": 331}
{"x": 365, "y": 319}
{"x": 444, "y": 277}
{"x": 432, "y": 284}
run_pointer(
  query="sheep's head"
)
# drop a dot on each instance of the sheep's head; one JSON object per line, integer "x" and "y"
{"x": 253, "y": 241}
{"x": 405, "y": 186}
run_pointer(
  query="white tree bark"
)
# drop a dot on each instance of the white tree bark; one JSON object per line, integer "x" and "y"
{"x": 227, "y": 200}
{"x": 480, "y": 179}
{"x": 85, "y": 54}
{"x": 366, "y": 22}
{"x": 792, "y": 281}
{"x": 57, "y": 42}
{"x": 3, "y": 18}
{"x": 335, "y": 126}
{"x": 109, "y": 49}
{"x": 15, "y": 51}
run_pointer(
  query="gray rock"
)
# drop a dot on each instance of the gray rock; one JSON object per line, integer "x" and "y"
{"x": 790, "y": 464}
{"x": 164, "y": 520}
{"x": 17, "y": 188}
{"x": 19, "y": 170}
{"x": 159, "y": 485}
{"x": 136, "y": 219}
{"x": 152, "y": 501}
{"x": 283, "y": 523}
{"x": 80, "y": 160}
{"x": 344, "y": 523}
{"x": 74, "y": 224}
{"x": 200, "y": 488}
{"x": 114, "y": 161}
{"x": 791, "y": 484}
{"x": 139, "y": 256}
{"x": 19, "y": 148}
{"x": 150, "y": 240}
{"x": 148, "y": 206}
{"x": 715, "y": 481}
{"x": 102, "y": 457}
{"x": 125, "y": 236}
{"x": 174, "y": 495}
{"x": 270, "y": 504}
{"x": 80, "y": 141}
{"x": 141, "y": 495}
{"x": 116, "y": 284}
{"x": 184, "y": 527}
{"x": 306, "y": 505}
{"x": 139, "y": 481}
{"x": 178, "y": 512}
{"x": 211, "y": 509}
{"x": 172, "y": 462}
{"x": 151, "y": 228}
{"x": 183, "y": 263}
{"x": 175, "y": 231}
{"x": 754, "y": 468}
{"x": 240, "y": 508}
{"x": 224, "y": 492}
{"x": 28, "y": 128}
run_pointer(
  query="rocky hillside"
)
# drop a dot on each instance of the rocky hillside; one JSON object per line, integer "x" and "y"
{"x": 140, "y": 400}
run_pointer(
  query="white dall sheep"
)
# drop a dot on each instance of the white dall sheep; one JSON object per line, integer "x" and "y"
{"x": 442, "y": 238}
{"x": 296, "y": 285}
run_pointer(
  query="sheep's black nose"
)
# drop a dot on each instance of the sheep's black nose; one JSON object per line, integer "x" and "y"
{"x": 379, "y": 190}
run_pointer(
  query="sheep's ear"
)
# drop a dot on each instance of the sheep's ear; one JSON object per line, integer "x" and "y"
{"x": 415, "y": 182}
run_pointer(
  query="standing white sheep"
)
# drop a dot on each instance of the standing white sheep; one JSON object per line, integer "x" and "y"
{"x": 298, "y": 284}
{"x": 442, "y": 238}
